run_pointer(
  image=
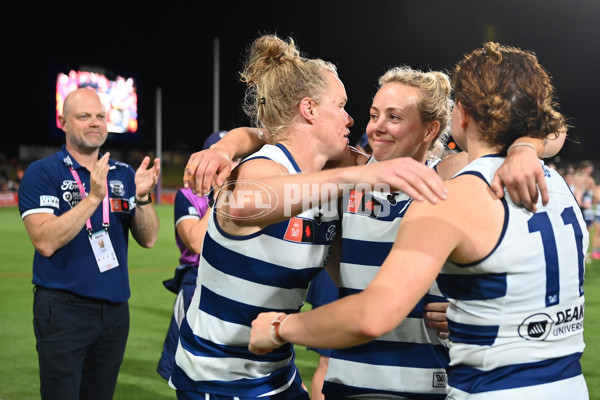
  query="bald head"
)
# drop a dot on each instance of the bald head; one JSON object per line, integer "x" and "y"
{"x": 84, "y": 121}
{"x": 80, "y": 95}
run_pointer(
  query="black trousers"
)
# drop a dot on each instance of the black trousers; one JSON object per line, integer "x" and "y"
{"x": 80, "y": 344}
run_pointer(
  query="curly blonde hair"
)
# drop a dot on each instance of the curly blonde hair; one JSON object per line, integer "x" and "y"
{"x": 508, "y": 94}
{"x": 278, "y": 77}
{"x": 435, "y": 103}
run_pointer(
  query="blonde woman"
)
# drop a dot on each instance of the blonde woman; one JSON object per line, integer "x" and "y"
{"x": 251, "y": 260}
{"x": 509, "y": 274}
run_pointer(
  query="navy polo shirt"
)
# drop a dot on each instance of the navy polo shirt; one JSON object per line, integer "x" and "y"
{"x": 49, "y": 187}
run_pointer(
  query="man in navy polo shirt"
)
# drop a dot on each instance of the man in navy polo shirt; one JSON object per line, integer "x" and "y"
{"x": 78, "y": 206}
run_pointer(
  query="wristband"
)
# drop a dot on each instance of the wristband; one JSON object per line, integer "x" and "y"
{"x": 275, "y": 327}
{"x": 143, "y": 203}
{"x": 521, "y": 145}
{"x": 523, "y": 142}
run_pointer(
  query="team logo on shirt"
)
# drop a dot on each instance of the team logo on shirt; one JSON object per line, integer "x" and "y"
{"x": 67, "y": 161}
{"x": 117, "y": 188}
{"x": 49, "y": 201}
{"x": 299, "y": 230}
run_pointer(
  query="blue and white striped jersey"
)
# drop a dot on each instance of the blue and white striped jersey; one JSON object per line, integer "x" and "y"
{"x": 238, "y": 278}
{"x": 516, "y": 316}
{"x": 407, "y": 362}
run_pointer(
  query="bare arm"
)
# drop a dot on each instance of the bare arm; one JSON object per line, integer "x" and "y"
{"x": 405, "y": 276}
{"x": 450, "y": 165}
{"x": 552, "y": 145}
{"x": 521, "y": 173}
{"x": 192, "y": 231}
{"x": 212, "y": 166}
{"x": 288, "y": 195}
{"x": 48, "y": 233}
{"x": 144, "y": 228}
{"x": 351, "y": 321}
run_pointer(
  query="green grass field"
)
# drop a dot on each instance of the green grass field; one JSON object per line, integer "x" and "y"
{"x": 151, "y": 306}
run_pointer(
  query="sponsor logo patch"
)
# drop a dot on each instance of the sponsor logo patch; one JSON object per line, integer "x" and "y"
{"x": 299, "y": 230}
{"x": 365, "y": 204}
{"x": 119, "y": 205}
{"x": 564, "y": 322}
{"x": 536, "y": 327}
{"x": 354, "y": 201}
{"x": 49, "y": 201}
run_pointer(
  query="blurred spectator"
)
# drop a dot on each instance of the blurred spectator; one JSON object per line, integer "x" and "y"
{"x": 584, "y": 187}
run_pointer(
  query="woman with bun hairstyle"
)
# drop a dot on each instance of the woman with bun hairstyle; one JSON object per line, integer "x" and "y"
{"x": 510, "y": 275}
{"x": 253, "y": 261}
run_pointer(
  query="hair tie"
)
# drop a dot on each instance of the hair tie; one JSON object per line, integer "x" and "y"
{"x": 262, "y": 100}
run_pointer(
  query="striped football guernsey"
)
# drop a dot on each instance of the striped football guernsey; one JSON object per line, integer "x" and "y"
{"x": 408, "y": 362}
{"x": 238, "y": 278}
{"x": 516, "y": 316}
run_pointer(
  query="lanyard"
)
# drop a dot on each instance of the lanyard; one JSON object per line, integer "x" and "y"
{"x": 105, "y": 217}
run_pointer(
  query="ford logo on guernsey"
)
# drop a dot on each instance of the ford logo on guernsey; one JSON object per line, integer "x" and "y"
{"x": 248, "y": 194}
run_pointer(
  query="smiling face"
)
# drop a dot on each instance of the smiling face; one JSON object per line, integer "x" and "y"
{"x": 334, "y": 121}
{"x": 84, "y": 121}
{"x": 395, "y": 128}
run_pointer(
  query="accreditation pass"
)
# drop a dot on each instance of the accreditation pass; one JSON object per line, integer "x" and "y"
{"x": 103, "y": 251}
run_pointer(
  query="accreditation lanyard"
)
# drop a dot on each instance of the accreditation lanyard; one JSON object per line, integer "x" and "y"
{"x": 105, "y": 216}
